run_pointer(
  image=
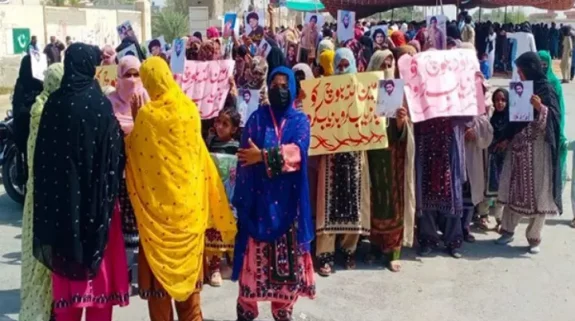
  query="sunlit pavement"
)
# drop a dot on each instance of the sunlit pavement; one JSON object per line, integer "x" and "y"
{"x": 489, "y": 283}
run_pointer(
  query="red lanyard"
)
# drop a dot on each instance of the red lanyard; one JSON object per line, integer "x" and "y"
{"x": 279, "y": 131}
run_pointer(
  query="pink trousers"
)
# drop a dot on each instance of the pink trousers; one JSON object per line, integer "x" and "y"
{"x": 92, "y": 314}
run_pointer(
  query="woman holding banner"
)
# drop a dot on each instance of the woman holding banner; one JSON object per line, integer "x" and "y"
{"x": 343, "y": 194}
{"x": 391, "y": 174}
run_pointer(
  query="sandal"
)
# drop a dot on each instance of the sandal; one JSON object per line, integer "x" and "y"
{"x": 325, "y": 270}
{"x": 394, "y": 266}
{"x": 483, "y": 223}
{"x": 216, "y": 279}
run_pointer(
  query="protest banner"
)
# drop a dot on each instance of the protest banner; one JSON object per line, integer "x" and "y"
{"x": 207, "y": 83}
{"x": 106, "y": 75}
{"x": 342, "y": 113}
{"x": 442, "y": 83}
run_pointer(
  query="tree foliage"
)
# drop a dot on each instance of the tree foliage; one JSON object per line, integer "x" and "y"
{"x": 62, "y": 3}
{"x": 400, "y": 14}
{"x": 170, "y": 23}
{"x": 498, "y": 15}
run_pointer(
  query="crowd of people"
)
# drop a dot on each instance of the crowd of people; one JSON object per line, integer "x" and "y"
{"x": 124, "y": 170}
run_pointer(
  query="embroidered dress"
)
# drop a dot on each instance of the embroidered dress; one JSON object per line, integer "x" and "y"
{"x": 343, "y": 194}
{"x": 526, "y": 180}
{"x": 387, "y": 176}
{"x": 271, "y": 257}
{"x": 439, "y": 179}
{"x": 439, "y": 170}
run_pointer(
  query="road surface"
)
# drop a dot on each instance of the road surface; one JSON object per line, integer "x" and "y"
{"x": 491, "y": 282}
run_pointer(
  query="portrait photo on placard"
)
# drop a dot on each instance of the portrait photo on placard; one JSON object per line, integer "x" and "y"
{"x": 249, "y": 102}
{"x": 520, "y": 108}
{"x": 178, "y": 56}
{"x": 389, "y": 97}
{"x": 345, "y": 25}
{"x": 263, "y": 49}
{"x": 378, "y": 34}
{"x": 39, "y": 63}
{"x": 314, "y": 20}
{"x": 229, "y": 25}
{"x": 437, "y": 31}
{"x": 128, "y": 51}
{"x": 125, "y": 30}
{"x": 254, "y": 24}
{"x": 291, "y": 53}
{"x": 156, "y": 47}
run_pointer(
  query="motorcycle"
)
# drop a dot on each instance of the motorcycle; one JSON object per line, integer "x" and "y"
{"x": 12, "y": 162}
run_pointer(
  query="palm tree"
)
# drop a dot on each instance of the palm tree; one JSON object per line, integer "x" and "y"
{"x": 170, "y": 23}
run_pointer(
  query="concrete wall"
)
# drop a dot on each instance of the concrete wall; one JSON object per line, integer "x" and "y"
{"x": 91, "y": 25}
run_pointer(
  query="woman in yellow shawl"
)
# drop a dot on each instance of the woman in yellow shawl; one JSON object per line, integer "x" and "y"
{"x": 175, "y": 190}
{"x": 326, "y": 59}
{"x": 36, "y": 286}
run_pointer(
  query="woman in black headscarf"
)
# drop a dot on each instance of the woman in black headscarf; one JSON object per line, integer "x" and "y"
{"x": 25, "y": 91}
{"x": 77, "y": 166}
{"x": 530, "y": 183}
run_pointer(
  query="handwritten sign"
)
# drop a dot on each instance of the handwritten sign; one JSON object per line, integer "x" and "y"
{"x": 342, "y": 113}
{"x": 106, "y": 75}
{"x": 442, "y": 84}
{"x": 207, "y": 83}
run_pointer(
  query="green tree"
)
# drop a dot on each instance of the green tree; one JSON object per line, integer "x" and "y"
{"x": 400, "y": 14}
{"x": 62, "y": 3}
{"x": 498, "y": 15}
{"x": 172, "y": 24}
{"x": 181, "y": 6}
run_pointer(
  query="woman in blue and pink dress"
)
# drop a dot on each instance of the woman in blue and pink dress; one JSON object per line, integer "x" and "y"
{"x": 272, "y": 259}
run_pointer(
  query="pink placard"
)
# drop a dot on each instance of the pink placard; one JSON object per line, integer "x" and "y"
{"x": 207, "y": 83}
{"x": 442, "y": 83}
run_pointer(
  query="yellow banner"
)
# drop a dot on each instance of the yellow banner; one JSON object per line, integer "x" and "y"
{"x": 106, "y": 75}
{"x": 342, "y": 113}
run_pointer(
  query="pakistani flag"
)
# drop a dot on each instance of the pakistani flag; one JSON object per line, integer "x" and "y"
{"x": 21, "y": 39}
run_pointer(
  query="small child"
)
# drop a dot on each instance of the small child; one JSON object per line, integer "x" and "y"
{"x": 222, "y": 139}
{"x": 495, "y": 157}
{"x": 484, "y": 66}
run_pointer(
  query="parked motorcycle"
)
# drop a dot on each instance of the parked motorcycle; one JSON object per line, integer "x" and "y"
{"x": 12, "y": 162}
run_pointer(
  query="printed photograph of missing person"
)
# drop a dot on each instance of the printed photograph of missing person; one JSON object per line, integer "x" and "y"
{"x": 378, "y": 35}
{"x": 229, "y": 24}
{"x": 436, "y": 31}
{"x": 178, "y": 57}
{"x": 390, "y": 97}
{"x": 345, "y": 25}
{"x": 125, "y": 30}
{"x": 248, "y": 103}
{"x": 520, "y": 108}
{"x": 291, "y": 54}
{"x": 128, "y": 51}
{"x": 254, "y": 25}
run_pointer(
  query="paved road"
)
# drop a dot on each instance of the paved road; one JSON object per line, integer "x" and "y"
{"x": 491, "y": 282}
